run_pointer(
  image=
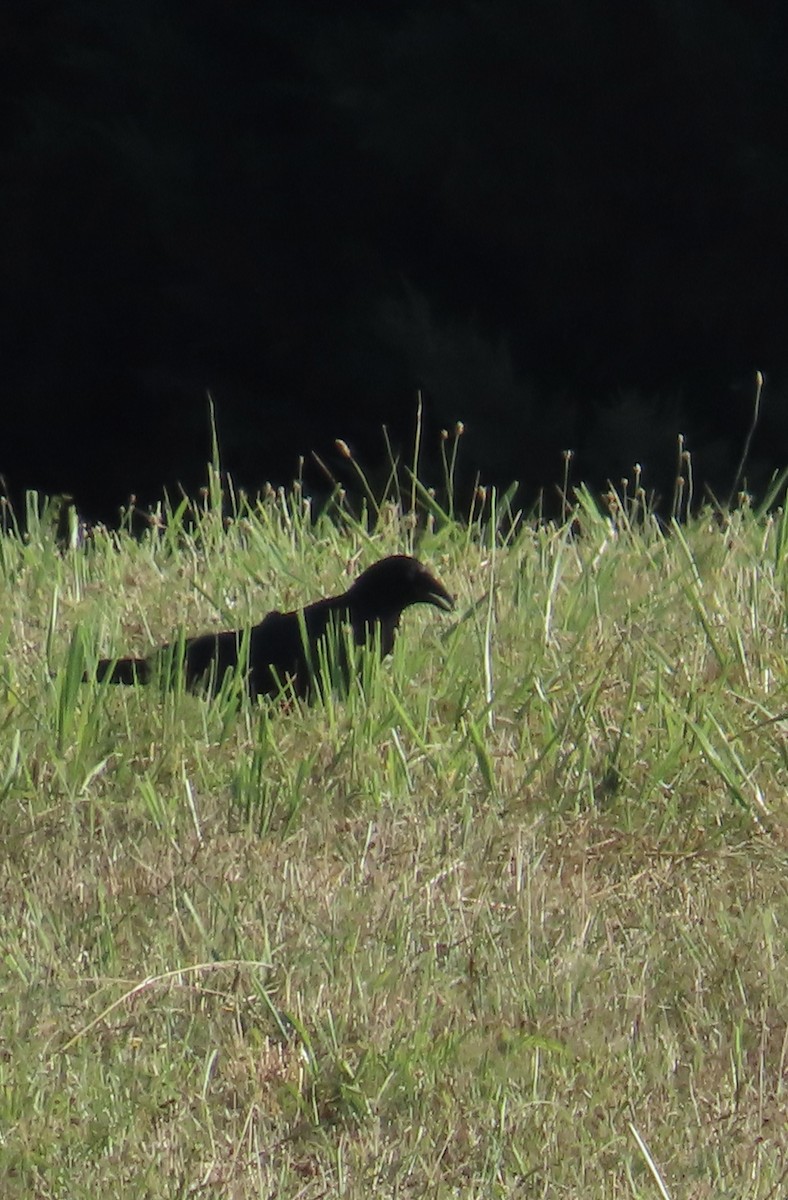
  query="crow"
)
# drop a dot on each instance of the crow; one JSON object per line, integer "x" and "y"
{"x": 292, "y": 649}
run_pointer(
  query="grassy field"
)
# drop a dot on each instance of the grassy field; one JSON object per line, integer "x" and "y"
{"x": 509, "y": 921}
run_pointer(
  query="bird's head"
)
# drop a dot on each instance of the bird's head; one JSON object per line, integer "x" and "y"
{"x": 396, "y": 582}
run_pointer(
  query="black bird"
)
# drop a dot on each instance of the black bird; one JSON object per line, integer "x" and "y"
{"x": 290, "y": 648}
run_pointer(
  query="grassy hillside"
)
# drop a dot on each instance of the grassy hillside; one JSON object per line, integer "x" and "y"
{"x": 511, "y": 921}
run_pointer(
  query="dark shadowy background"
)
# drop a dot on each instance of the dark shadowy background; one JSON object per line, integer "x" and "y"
{"x": 562, "y": 220}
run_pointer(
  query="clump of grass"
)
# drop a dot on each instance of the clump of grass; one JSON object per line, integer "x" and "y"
{"x": 506, "y": 919}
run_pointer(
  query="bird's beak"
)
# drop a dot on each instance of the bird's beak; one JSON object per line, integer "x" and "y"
{"x": 438, "y": 596}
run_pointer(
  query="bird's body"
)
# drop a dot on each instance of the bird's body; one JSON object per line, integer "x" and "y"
{"x": 293, "y": 649}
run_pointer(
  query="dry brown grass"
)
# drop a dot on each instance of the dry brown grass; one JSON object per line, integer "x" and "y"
{"x": 414, "y": 943}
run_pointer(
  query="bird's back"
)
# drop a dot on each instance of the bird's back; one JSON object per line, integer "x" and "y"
{"x": 298, "y": 647}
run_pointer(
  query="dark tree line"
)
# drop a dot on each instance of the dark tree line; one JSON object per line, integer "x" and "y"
{"x": 562, "y": 221}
